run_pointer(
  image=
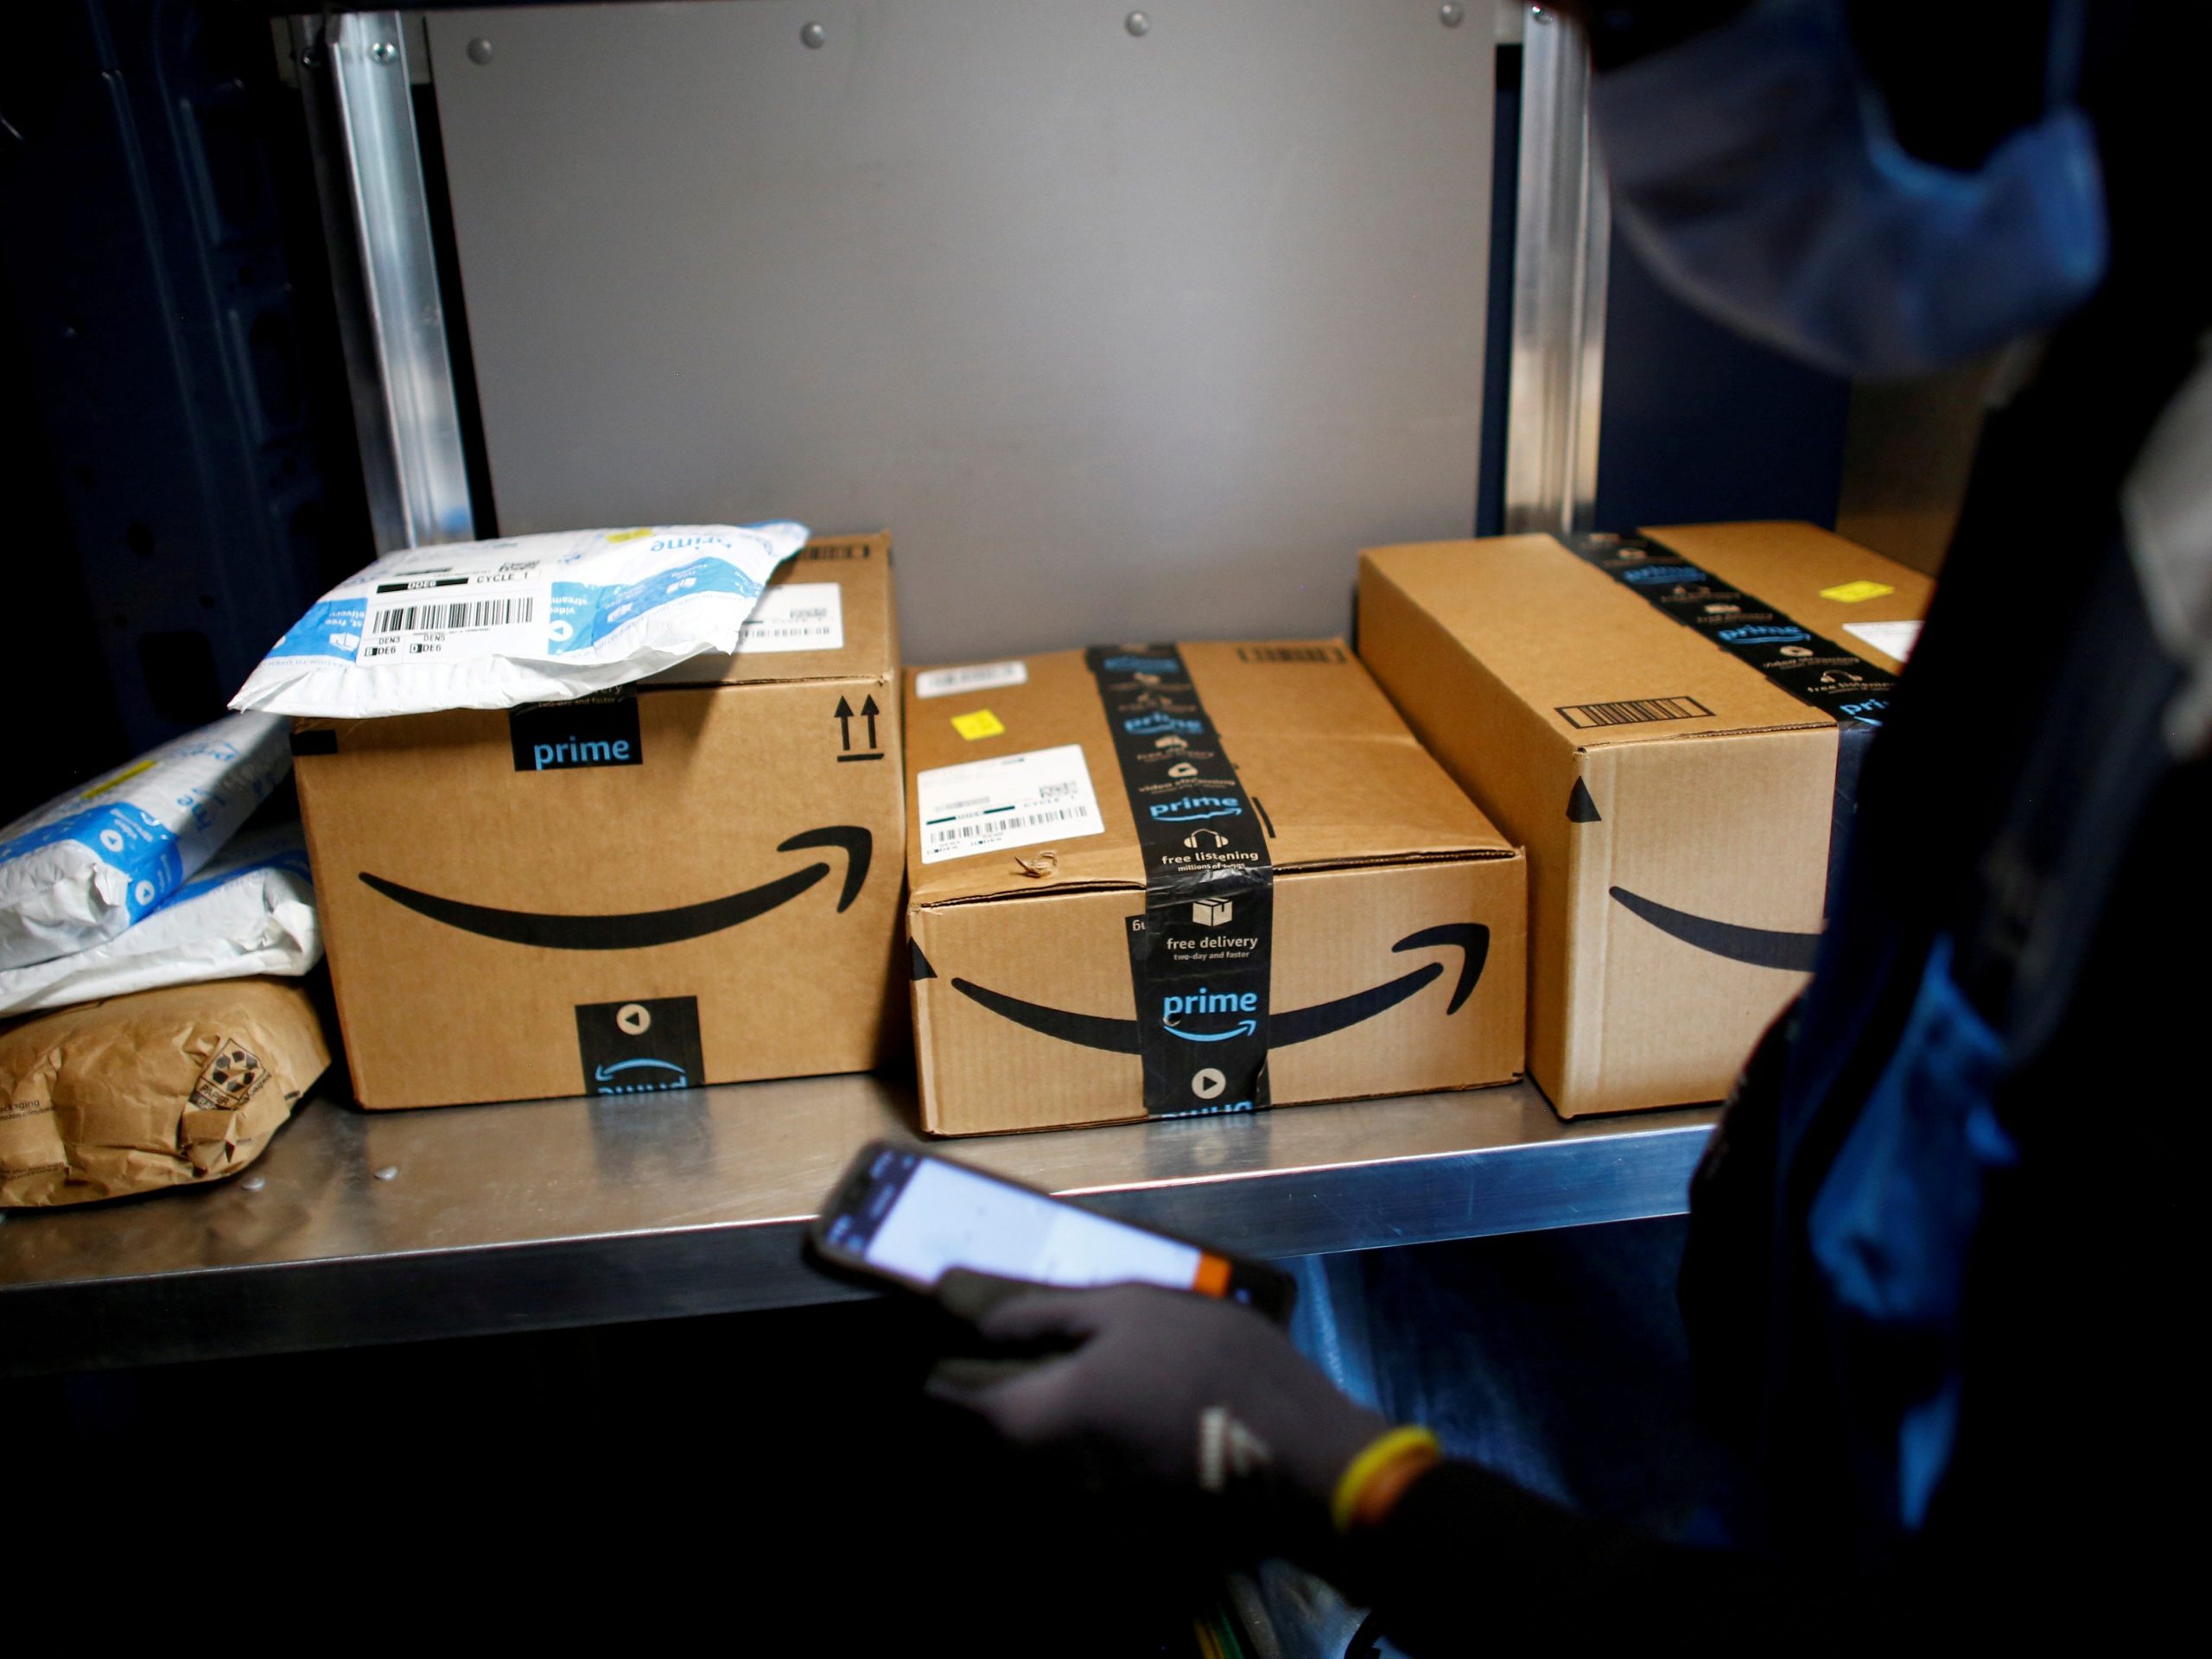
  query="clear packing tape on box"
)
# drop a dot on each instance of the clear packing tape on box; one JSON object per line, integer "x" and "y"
{"x": 526, "y": 618}
{"x": 88, "y": 864}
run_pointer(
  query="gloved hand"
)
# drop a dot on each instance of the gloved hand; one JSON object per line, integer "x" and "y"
{"x": 1199, "y": 1400}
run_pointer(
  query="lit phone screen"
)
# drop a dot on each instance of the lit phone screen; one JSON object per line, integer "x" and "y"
{"x": 940, "y": 1216}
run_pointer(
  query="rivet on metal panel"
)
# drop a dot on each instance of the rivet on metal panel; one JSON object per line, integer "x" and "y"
{"x": 480, "y": 50}
{"x": 254, "y": 1183}
{"x": 813, "y": 34}
{"x": 1137, "y": 24}
{"x": 1452, "y": 13}
{"x": 388, "y": 1172}
{"x": 384, "y": 52}
{"x": 1538, "y": 14}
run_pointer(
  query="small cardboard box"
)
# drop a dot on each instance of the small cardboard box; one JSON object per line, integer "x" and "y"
{"x": 1670, "y": 725}
{"x": 679, "y": 884}
{"x": 1168, "y": 880}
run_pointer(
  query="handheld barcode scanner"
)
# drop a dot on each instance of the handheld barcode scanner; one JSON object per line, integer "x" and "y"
{"x": 906, "y": 1216}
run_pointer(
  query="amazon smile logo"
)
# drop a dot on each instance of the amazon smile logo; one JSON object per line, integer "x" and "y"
{"x": 1202, "y": 1000}
{"x": 1471, "y": 940}
{"x": 641, "y": 929}
{"x": 1654, "y": 575}
{"x": 1242, "y": 1028}
{"x": 1764, "y": 633}
{"x": 639, "y": 1077}
{"x": 647, "y": 1046}
{"x": 1757, "y": 947}
{"x": 1152, "y": 725}
{"x": 1760, "y": 947}
{"x": 1188, "y": 808}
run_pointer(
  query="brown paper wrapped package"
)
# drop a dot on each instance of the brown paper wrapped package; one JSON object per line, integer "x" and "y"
{"x": 141, "y": 1092}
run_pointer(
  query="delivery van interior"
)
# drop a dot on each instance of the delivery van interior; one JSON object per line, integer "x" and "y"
{"x": 1021, "y": 827}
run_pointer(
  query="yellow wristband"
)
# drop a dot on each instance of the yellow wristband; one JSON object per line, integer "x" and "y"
{"x": 1385, "y": 1451}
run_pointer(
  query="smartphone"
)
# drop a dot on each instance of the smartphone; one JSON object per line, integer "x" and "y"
{"x": 907, "y": 1216}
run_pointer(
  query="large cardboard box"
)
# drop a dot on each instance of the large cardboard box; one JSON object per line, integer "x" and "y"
{"x": 679, "y": 884}
{"x": 1167, "y": 880}
{"x": 1671, "y": 726}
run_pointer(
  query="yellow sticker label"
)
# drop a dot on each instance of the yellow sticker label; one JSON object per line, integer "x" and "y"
{"x": 123, "y": 776}
{"x": 629, "y": 535}
{"x": 1851, "y": 593}
{"x": 982, "y": 724}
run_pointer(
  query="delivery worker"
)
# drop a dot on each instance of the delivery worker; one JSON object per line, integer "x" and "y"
{"x": 1929, "y": 1247}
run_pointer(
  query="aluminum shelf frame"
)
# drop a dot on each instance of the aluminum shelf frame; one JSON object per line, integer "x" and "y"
{"x": 360, "y": 1228}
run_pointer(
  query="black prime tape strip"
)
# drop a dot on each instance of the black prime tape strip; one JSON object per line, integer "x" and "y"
{"x": 640, "y": 1047}
{"x": 1201, "y": 954}
{"x": 1815, "y": 671}
{"x": 1811, "y": 668}
{"x": 600, "y": 730}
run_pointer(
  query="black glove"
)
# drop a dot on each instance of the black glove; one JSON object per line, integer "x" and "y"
{"x": 1201, "y": 1401}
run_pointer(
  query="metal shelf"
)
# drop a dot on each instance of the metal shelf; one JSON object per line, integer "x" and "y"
{"x": 392, "y": 1227}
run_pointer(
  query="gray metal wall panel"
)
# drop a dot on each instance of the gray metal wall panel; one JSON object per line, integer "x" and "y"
{"x": 1119, "y": 337}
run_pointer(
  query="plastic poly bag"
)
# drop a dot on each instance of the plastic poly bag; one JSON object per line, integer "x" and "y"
{"x": 251, "y": 910}
{"x": 88, "y": 864}
{"x": 527, "y": 618}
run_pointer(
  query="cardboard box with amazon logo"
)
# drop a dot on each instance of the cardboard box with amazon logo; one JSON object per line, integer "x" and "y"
{"x": 1671, "y": 724}
{"x": 694, "y": 880}
{"x": 1158, "y": 881}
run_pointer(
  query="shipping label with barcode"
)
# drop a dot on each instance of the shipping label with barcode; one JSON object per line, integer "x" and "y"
{"x": 456, "y": 616}
{"x": 796, "y": 616}
{"x": 1011, "y": 800}
{"x": 976, "y": 676}
{"x": 1291, "y": 654}
{"x": 1632, "y": 711}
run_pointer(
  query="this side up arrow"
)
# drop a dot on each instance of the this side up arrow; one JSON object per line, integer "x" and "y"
{"x": 844, "y": 718}
{"x": 871, "y": 711}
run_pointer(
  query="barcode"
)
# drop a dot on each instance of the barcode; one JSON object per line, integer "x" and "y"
{"x": 971, "y": 828}
{"x": 1290, "y": 653}
{"x": 448, "y": 619}
{"x": 1634, "y": 712}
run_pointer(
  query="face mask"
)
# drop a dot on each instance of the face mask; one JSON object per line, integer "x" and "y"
{"x": 1756, "y": 172}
